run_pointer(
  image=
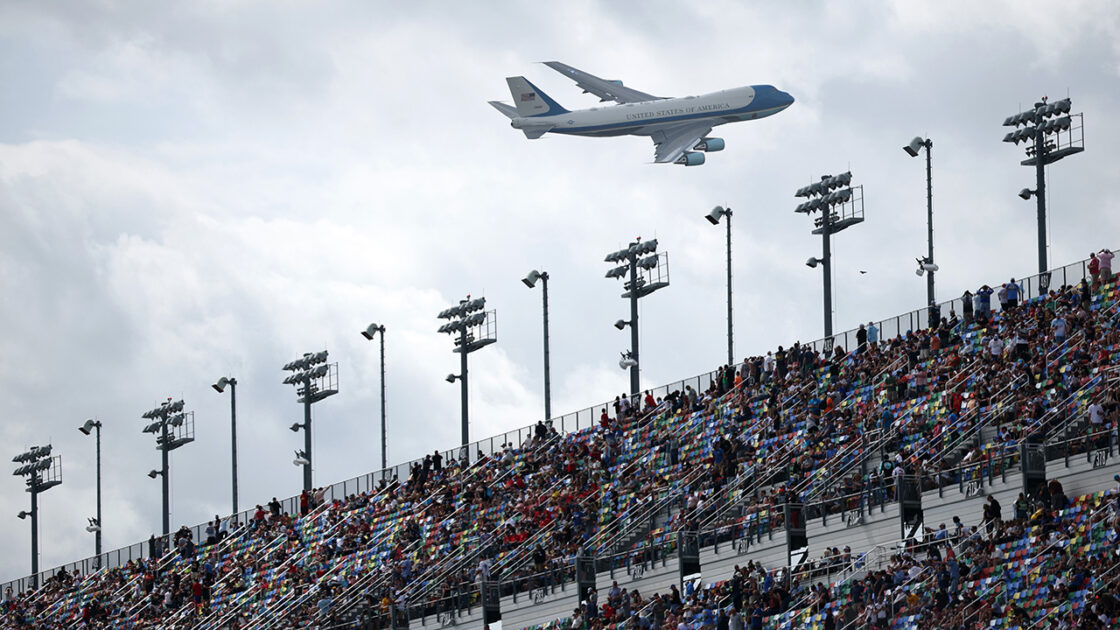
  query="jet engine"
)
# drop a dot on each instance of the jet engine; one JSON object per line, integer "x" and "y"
{"x": 710, "y": 144}
{"x": 692, "y": 158}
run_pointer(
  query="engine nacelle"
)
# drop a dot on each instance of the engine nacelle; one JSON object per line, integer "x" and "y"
{"x": 710, "y": 144}
{"x": 691, "y": 158}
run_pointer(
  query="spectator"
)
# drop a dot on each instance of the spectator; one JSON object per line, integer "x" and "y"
{"x": 1106, "y": 265}
{"x": 872, "y": 334}
{"x": 1094, "y": 268}
{"x": 1013, "y": 291}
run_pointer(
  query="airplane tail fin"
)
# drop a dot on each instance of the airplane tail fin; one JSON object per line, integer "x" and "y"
{"x": 509, "y": 111}
{"x": 530, "y": 101}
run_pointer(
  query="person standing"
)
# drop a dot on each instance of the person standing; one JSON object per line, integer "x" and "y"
{"x": 1094, "y": 268}
{"x": 1059, "y": 325}
{"x": 984, "y": 302}
{"x": 1106, "y": 265}
{"x": 861, "y": 338}
{"x": 1013, "y": 294}
{"x": 872, "y": 334}
{"x": 966, "y": 307}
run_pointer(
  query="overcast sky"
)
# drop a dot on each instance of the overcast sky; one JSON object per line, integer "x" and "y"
{"x": 191, "y": 190}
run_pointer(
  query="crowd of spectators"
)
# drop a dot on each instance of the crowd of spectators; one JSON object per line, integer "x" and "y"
{"x": 786, "y": 425}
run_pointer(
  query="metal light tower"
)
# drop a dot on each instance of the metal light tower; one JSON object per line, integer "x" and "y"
{"x": 220, "y": 387}
{"x": 531, "y": 281}
{"x": 95, "y": 523}
{"x": 368, "y": 333}
{"x": 648, "y": 271}
{"x": 173, "y": 428}
{"x": 1051, "y": 133}
{"x": 713, "y": 217}
{"x": 927, "y": 265}
{"x": 43, "y": 471}
{"x": 314, "y": 380}
{"x": 477, "y": 328}
{"x": 841, "y": 206}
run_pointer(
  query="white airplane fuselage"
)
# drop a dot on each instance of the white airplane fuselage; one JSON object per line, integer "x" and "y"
{"x": 643, "y": 118}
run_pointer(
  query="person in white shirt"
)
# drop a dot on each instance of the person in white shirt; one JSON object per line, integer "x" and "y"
{"x": 995, "y": 347}
{"x": 1105, "y": 256}
{"x": 1060, "y": 327}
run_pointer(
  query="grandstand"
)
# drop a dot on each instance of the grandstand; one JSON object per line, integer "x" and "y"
{"x": 814, "y": 482}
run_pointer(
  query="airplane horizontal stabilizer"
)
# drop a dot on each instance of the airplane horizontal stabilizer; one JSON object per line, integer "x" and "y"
{"x": 508, "y": 110}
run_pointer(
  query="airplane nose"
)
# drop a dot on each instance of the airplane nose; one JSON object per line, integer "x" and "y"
{"x": 786, "y": 98}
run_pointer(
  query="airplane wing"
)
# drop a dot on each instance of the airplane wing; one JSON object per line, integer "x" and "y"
{"x": 673, "y": 140}
{"x": 604, "y": 89}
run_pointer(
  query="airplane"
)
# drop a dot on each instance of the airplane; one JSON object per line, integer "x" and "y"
{"x": 679, "y": 126}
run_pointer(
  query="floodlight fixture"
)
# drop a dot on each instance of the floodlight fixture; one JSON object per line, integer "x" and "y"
{"x": 627, "y": 361}
{"x": 620, "y": 324}
{"x": 152, "y": 474}
{"x": 94, "y": 526}
{"x": 644, "y": 271}
{"x": 43, "y": 471}
{"x": 1051, "y": 133}
{"x": 301, "y": 459}
{"x": 840, "y": 206}
{"x": 315, "y": 379}
{"x": 369, "y": 333}
{"x": 23, "y": 514}
{"x": 530, "y": 281}
{"x": 476, "y": 328}
{"x": 913, "y": 149}
{"x": 451, "y": 378}
{"x": 295, "y": 427}
{"x": 173, "y": 428}
{"x": 220, "y": 387}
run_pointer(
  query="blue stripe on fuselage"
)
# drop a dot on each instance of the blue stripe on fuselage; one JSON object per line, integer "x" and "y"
{"x": 621, "y": 127}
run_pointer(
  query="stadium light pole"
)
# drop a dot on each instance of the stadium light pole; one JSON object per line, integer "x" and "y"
{"x": 369, "y": 333}
{"x": 314, "y": 380}
{"x": 95, "y": 527}
{"x": 713, "y": 217}
{"x": 1050, "y": 133}
{"x": 220, "y": 387}
{"x": 175, "y": 428}
{"x": 648, "y": 271}
{"x": 531, "y": 281}
{"x": 912, "y": 149}
{"x": 39, "y": 468}
{"x": 841, "y": 206}
{"x": 476, "y": 329}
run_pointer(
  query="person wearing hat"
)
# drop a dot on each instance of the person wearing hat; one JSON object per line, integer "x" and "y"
{"x": 1106, "y": 257}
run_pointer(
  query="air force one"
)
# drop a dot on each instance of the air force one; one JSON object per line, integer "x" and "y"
{"x": 679, "y": 127}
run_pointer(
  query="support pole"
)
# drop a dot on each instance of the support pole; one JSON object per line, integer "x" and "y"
{"x": 1040, "y": 195}
{"x": 165, "y": 479}
{"x": 826, "y": 262}
{"x": 929, "y": 220}
{"x": 233, "y": 436}
{"x": 547, "y": 379}
{"x": 634, "y": 370}
{"x": 307, "y": 435}
{"x": 730, "y": 336}
{"x": 100, "y": 525}
{"x": 35, "y": 530}
{"x": 463, "y": 384}
{"x": 384, "y": 440}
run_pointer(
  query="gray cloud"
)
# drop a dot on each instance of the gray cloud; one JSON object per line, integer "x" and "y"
{"x": 188, "y": 191}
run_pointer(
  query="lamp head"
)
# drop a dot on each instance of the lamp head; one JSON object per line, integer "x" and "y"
{"x": 220, "y": 386}
{"x": 717, "y": 212}
{"x": 89, "y": 426}
{"x": 915, "y": 146}
{"x": 451, "y": 378}
{"x": 620, "y": 324}
{"x": 372, "y": 330}
{"x": 301, "y": 459}
{"x": 812, "y": 262}
{"x": 295, "y": 427}
{"x": 23, "y": 514}
{"x": 1026, "y": 193}
{"x": 531, "y": 279}
{"x": 154, "y": 473}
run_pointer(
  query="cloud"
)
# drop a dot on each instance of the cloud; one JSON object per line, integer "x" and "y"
{"x": 213, "y": 189}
